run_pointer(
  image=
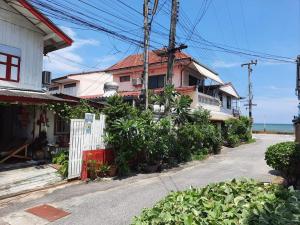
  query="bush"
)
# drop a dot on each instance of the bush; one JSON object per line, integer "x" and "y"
{"x": 62, "y": 159}
{"x": 233, "y": 140}
{"x": 236, "y": 202}
{"x": 285, "y": 157}
{"x": 236, "y": 131}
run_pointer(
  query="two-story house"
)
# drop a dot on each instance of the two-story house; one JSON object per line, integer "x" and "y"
{"x": 190, "y": 77}
{"x": 82, "y": 85}
{"x": 25, "y": 36}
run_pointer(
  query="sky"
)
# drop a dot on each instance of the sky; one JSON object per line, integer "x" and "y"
{"x": 267, "y": 26}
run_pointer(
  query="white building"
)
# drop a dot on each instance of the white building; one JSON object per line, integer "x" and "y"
{"x": 25, "y": 36}
{"x": 83, "y": 85}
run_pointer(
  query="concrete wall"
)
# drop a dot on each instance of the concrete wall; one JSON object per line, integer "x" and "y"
{"x": 86, "y": 84}
{"x": 17, "y": 32}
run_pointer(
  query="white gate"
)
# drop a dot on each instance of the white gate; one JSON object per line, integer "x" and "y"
{"x": 84, "y": 137}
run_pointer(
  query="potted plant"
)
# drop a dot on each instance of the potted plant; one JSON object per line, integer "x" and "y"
{"x": 112, "y": 170}
{"x": 103, "y": 170}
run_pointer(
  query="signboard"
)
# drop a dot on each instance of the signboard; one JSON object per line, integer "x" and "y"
{"x": 88, "y": 120}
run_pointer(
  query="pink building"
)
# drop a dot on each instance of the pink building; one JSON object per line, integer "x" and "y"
{"x": 191, "y": 78}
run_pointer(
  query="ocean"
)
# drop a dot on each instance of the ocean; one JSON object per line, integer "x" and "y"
{"x": 274, "y": 127}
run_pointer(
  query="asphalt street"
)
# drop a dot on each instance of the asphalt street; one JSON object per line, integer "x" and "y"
{"x": 115, "y": 202}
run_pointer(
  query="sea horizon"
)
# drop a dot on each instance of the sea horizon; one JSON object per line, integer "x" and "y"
{"x": 274, "y": 127}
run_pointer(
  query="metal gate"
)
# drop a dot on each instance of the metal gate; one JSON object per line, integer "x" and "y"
{"x": 84, "y": 136}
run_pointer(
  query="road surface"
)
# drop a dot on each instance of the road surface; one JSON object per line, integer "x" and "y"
{"x": 116, "y": 202}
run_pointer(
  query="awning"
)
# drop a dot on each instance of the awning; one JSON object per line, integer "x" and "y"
{"x": 29, "y": 97}
{"x": 207, "y": 73}
{"x": 229, "y": 89}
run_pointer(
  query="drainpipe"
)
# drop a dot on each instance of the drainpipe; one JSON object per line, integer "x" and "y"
{"x": 181, "y": 73}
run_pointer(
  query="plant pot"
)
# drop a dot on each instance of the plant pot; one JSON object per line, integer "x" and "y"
{"x": 112, "y": 171}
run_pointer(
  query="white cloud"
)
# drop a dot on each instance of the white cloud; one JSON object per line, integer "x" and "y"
{"x": 275, "y": 110}
{"x": 68, "y": 60}
{"x": 223, "y": 64}
{"x": 106, "y": 61}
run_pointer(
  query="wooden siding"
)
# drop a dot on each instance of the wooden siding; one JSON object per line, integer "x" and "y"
{"x": 17, "y": 32}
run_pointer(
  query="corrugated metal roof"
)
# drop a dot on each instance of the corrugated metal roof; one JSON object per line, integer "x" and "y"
{"x": 28, "y": 96}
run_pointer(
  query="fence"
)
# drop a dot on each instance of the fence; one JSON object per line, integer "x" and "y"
{"x": 84, "y": 136}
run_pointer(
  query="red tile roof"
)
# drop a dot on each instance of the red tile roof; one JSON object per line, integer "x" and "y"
{"x": 137, "y": 60}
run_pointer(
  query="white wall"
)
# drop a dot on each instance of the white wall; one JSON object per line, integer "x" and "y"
{"x": 16, "y": 31}
{"x": 92, "y": 84}
{"x": 86, "y": 84}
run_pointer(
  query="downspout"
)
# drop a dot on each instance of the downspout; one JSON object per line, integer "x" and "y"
{"x": 181, "y": 73}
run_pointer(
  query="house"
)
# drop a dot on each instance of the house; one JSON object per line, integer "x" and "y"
{"x": 82, "y": 85}
{"x": 25, "y": 36}
{"x": 201, "y": 83}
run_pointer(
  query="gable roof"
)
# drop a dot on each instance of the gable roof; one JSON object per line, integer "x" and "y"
{"x": 137, "y": 60}
{"x": 54, "y": 37}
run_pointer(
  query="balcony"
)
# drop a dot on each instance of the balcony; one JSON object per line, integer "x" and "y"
{"x": 208, "y": 100}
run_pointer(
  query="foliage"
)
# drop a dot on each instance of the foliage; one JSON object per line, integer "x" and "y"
{"x": 237, "y": 130}
{"x": 244, "y": 202}
{"x": 285, "y": 157}
{"x": 96, "y": 168}
{"x": 68, "y": 112}
{"x": 62, "y": 159}
{"x": 137, "y": 136}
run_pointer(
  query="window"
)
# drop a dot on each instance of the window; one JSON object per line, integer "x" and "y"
{"x": 70, "y": 85}
{"x": 53, "y": 88}
{"x": 61, "y": 126}
{"x": 125, "y": 79}
{"x": 9, "y": 67}
{"x": 221, "y": 98}
{"x": 193, "y": 80}
{"x": 157, "y": 81}
{"x": 228, "y": 102}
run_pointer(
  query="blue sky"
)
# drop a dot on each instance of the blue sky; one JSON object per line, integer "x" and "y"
{"x": 266, "y": 26}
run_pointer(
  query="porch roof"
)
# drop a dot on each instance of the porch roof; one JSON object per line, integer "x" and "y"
{"x": 29, "y": 97}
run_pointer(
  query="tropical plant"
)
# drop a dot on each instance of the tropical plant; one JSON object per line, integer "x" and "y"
{"x": 78, "y": 111}
{"x": 244, "y": 202}
{"x": 237, "y": 130}
{"x": 285, "y": 157}
{"x": 62, "y": 158}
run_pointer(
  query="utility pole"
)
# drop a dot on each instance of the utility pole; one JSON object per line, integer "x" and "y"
{"x": 147, "y": 29}
{"x": 172, "y": 43}
{"x": 250, "y": 97}
{"x": 296, "y": 119}
{"x": 146, "y": 52}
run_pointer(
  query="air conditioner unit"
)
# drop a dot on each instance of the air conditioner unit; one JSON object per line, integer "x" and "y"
{"x": 46, "y": 78}
{"x": 136, "y": 81}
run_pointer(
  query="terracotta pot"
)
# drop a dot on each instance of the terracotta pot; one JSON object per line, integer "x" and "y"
{"x": 112, "y": 171}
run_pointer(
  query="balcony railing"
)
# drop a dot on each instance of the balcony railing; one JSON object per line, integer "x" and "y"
{"x": 209, "y": 100}
{"x": 236, "y": 112}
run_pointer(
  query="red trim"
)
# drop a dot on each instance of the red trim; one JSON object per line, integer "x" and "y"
{"x": 9, "y": 65}
{"x": 46, "y": 21}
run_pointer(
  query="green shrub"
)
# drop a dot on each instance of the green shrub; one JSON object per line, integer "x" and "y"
{"x": 237, "y": 130}
{"x": 235, "y": 202}
{"x": 62, "y": 159}
{"x": 285, "y": 157}
{"x": 233, "y": 140}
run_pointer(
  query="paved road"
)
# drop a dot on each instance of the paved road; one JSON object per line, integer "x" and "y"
{"x": 116, "y": 202}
